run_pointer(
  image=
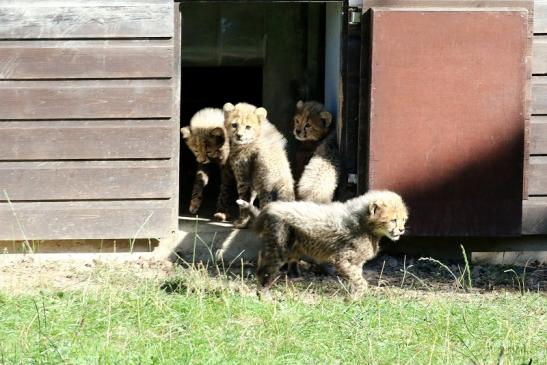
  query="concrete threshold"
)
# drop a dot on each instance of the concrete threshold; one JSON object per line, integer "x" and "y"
{"x": 207, "y": 241}
{"x": 197, "y": 240}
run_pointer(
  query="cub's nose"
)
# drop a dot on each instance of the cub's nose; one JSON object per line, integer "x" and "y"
{"x": 297, "y": 131}
{"x": 239, "y": 136}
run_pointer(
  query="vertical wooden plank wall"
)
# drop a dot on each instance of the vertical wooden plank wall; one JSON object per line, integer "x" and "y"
{"x": 88, "y": 119}
{"x": 534, "y": 219}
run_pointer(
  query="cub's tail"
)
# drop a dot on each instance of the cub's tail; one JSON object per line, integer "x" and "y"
{"x": 248, "y": 206}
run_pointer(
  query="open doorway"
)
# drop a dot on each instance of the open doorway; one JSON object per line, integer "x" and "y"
{"x": 270, "y": 54}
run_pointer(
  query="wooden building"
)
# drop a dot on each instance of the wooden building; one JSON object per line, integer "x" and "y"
{"x": 442, "y": 100}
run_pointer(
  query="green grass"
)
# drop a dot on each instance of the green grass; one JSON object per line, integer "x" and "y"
{"x": 121, "y": 319}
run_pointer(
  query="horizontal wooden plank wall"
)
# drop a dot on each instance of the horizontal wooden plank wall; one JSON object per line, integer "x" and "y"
{"x": 534, "y": 220}
{"x": 68, "y": 220}
{"x": 86, "y": 19}
{"x": 85, "y": 59}
{"x": 61, "y": 140}
{"x": 540, "y": 17}
{"x": 79, "y": 180}
{"x": 85, "y": 99}
{"x": 88, "y": 124}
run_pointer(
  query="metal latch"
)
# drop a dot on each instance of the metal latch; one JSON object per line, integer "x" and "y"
{"x": 354, "y": 16}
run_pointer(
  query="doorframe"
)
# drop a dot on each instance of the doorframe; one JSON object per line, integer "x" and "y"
{"x": 345, "y": 95}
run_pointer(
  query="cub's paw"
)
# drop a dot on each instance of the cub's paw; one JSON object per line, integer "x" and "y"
{"x": 193, "y": 208}
{"x": 264, "y": 295}
{"x": 293, "y": 271}
{"x": 242, "y": 223}
{"x": 221, "y": 217}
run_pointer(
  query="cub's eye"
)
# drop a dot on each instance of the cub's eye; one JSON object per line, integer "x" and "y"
{"x": 234, "y": 125}
{"x": 308, "y": 125}
{"x": 248, "y": 127}
{"x": 394, "y": 221}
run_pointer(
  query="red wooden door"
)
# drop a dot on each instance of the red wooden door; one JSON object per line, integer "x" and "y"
{"x": 446, "y": 117}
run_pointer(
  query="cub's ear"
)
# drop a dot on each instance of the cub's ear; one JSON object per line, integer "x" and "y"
{"x": 326, "y": 117}
{"x": 228, "y": 107}
{"x": 300, "y": 105}
{"x": 218, "y": 134}
{"x": 185, "y": 132}
{"x": 261, "y": 113}
{"x": 375, "y": 209}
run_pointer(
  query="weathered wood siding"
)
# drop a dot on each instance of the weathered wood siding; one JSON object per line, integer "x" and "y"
{"x": 88, "y": 119}
{"x": 534, "y": 219}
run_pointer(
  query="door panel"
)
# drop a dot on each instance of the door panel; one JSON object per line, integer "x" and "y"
{"x": 445, "y": 125}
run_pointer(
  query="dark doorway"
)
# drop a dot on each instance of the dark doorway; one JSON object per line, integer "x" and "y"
{"x": 211, "y": 87}
{"x": 268, "y": 54}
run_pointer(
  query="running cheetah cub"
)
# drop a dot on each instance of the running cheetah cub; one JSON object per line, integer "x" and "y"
{"x": 257, "y": 158}
{"x": 317, "y": 162}
{"x": 345, "y": 234}
{"x": 208, "y": 141}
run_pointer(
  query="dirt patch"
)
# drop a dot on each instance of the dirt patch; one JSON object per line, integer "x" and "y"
{"x": 30, "y": 273}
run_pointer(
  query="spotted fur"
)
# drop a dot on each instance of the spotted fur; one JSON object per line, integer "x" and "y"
{"x": 344, "y": 234}
{"x": 318, "y": 163}
{"x": 257, "y": 157}
{"x": 206, "y": 137}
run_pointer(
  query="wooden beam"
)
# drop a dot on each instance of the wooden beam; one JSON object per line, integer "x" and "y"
{"x": 539, "y": 95}
{"x": 85, "y": 220}
{"x": 86, "y": 99}
{"x": 540, "y": 16}
{"x": 79, "y": 180}
{"x": 91, "y": 139}
{"x": 61, "y": 20}
{"x": 86, "y": 59}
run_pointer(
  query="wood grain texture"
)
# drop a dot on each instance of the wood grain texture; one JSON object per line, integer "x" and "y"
{"x": 85, "y": 19}
{"x": 85, "y": 99}
{"x": 539, "y": 65}
{"x": 78, "y": 180}
{"x": 540, "y": 16}
{"x": 85, "y": 220}
{"x": 462, "y": 171}
{"x": 525, "y": 4}
{"x": 86, "y": 59}
{"x": 95, "y": 139}
{"x": 534, "y": 216}
{"x": 538, "y": 135}
{"x": 175, "y": 157}
{"x": 538, "y": 175}
{"x": 539, "y": 95}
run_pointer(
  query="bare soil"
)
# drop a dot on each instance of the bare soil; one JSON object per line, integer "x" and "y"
{"x": 30, "y": 273}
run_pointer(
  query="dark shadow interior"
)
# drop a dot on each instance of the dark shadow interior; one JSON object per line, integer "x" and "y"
{"x": 267, "y": 54}
{"x": 201, "y": 88}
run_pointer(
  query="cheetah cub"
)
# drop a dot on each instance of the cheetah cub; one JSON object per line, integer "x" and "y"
{"x": 317, "y": 162}
{"x": 257, "y": 157}
{"x": 345, "y": 234}
{"x": 207, "y": 139}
